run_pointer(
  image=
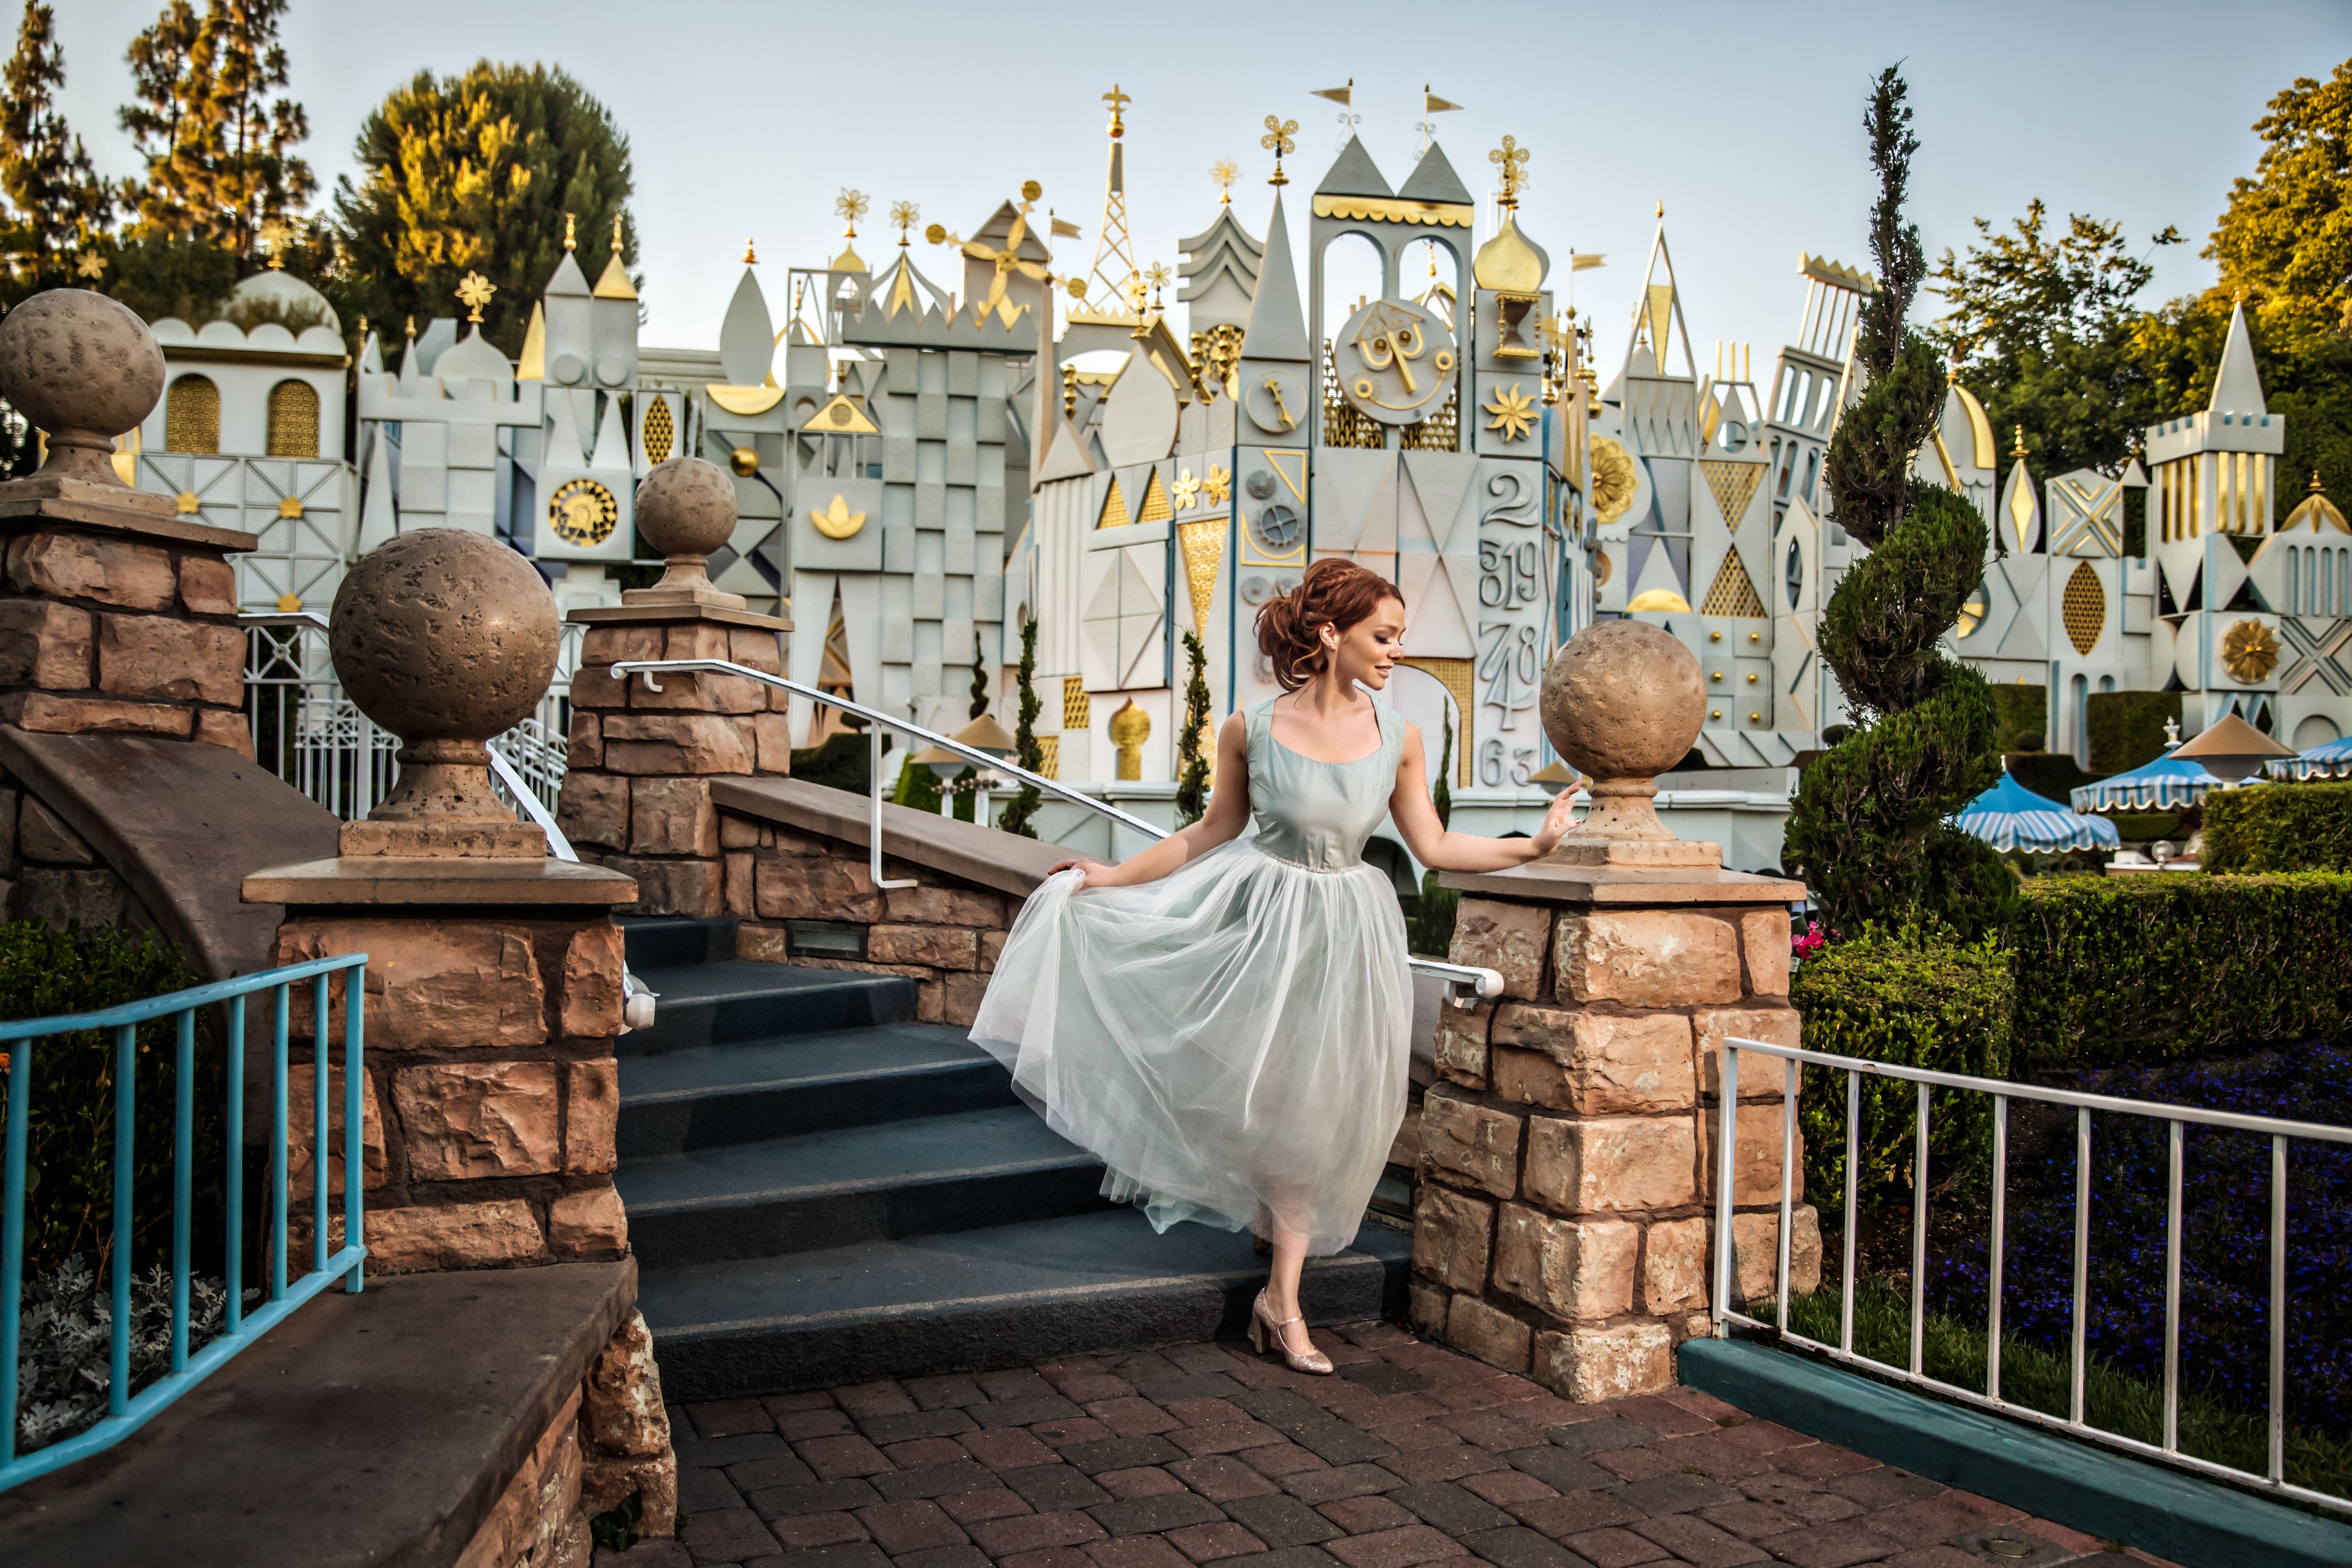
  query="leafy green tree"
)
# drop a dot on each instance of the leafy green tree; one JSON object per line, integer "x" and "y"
{"x": 1192, "y": 760}
{"x": 1867, "y": 827}
{"x": 475, "y": 173}
{"x": 56, "y": 199}
{"x": 2040, "y": 326}
{"x": 1021, "y": 811}
{"x": 2288, "y": 230}
{"x": 218, "y": 147}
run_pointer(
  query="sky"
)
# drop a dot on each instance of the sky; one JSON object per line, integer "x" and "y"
{"x": 1743, "y": 120}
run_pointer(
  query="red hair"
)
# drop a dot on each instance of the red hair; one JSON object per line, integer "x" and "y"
{"x": 1334, "y": 592}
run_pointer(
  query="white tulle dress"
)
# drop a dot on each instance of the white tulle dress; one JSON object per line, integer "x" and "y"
{"x": 1231, "y": 1040}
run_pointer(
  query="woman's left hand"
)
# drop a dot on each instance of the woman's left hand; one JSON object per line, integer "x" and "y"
{"x": 1559, "y": 821}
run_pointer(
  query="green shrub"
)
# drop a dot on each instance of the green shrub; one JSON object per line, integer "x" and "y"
{"x": 2021, "y": 714}
{"x": 2295, "y": 827}
{"x": 1429, "y": 929}
{"x": 2128, "y": 728}
{"x": 2113, "y": 970}
{"x": 69, "y": 1146}
{"x": 842, "y": 763}
{"x": 2049, "y": 774}
{"x": 1913, "y": 998}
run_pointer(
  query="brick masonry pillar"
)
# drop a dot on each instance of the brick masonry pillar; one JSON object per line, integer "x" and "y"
{"x": 1563, "y": 1217}
{"x": 116, "y": 613}
{"x": 493, "y": 993}
{"x": 637, "y": 794}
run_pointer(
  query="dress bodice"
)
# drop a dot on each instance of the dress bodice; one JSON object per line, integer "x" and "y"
{"x": 1318, "y": 814}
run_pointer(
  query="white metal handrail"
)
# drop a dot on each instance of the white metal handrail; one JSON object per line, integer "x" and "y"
{"x": 2177, "y": 1117}
{"x": 1485, "y": 985}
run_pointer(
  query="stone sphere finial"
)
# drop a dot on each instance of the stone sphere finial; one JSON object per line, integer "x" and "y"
{"x": 685, "y": 510}
{"x": 84, "y": 368}
{"x": 1624, "y": 701}
{"x": 446, "y": 638}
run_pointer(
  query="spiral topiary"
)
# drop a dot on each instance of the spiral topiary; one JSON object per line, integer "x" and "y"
{"x": 1868, "y": 829}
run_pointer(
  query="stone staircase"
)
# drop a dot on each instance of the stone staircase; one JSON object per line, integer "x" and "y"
{"x": 823, "y": 1190}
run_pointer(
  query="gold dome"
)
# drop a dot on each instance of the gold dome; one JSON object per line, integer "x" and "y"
{"x": 1508, "y": 262}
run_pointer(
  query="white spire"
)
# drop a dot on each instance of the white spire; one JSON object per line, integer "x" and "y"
{"x": 2238, "y": 388}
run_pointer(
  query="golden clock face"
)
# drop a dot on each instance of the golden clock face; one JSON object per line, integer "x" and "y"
{"x": 583, "y": 512}
{"x": 1395, "y": 362}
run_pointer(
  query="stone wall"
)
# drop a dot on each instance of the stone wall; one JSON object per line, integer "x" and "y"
{"x": 491, "y": 1098}
{"x": 636, "y": 797}
{"x": 944, "y": 935}
{"x": 48, "y": 872}
{"x": 611, "y": 1439}
{"x": 1564, "y": 1224}
{"x": 137, "y": 635}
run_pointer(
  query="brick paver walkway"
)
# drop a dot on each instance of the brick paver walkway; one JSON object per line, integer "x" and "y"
{"x": 1205, "y": 1454}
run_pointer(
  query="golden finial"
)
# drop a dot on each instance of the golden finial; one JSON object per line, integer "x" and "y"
{"x": 616, "y": 233}
{"x": 849, "y": 207}
{"x": 474, "y": 289}
{"x": 571, "y": 231}
{"x": 1281, "y": 136}
{"x": 1069, "y": 392}
{"x": 905, "y": 215}
{"x": 2018, "y": 451}
{"x": 1118, "y": 101}
{"x": 2315, "y": 483}
{"x": 1662, "y": 207}
{"x": 362, "y": 329}
{"x": 1511, "y": 159}
{"x": 1224, "y": 171}
{"x": 1157, "y": 276}
{"x": 273, "y": 234}
{"x": 750, "y": 256}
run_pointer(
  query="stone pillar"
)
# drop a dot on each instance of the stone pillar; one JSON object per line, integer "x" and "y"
{"x": 493, "y": 996}
{"x": 637, "y": 796}
{"x": 116, "y": 613}
{"x": 1566, "y": 1196}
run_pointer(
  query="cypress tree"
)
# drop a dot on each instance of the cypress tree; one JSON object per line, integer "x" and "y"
{"x": 1867, "y": 828}
{"x": 1023, "y": 807}
{"x": 1192, "y": 763}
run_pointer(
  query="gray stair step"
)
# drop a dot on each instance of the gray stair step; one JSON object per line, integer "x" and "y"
{"x": 667, "y": 941}
{"x": 714, "y": 1095}
{"x": 736, "y": 1000}
{"x": 833, "y": 1188}
{"x": 1002, "y": 1295}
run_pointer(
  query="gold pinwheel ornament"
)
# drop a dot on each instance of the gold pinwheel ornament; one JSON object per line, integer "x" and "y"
{"x": 1007, "y": 258}
{"x": 474, "y": 291}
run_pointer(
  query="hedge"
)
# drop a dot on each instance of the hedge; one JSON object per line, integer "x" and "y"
{"x": 2279, "y": 827}
{"x": 2128, "y": 728}
{"x": 2132, "y": 971}
{"x": 1916, "y": 999}
{"x": 69, "y": 1147}
{"x": 2020, "y": 717}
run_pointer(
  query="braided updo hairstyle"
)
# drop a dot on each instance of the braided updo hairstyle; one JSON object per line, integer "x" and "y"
{"x": 1334, "y": 592}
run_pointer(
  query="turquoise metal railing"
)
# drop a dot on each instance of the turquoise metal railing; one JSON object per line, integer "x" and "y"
{"x": 125, "y": 1411}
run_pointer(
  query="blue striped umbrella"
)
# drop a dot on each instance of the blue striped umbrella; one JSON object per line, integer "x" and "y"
{"x": 2332, "y": 761}
{"x": 2010, "y": 816}
{"x": 2167, "y": 783}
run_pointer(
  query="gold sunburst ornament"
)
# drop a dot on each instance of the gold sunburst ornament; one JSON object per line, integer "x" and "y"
{"x": 1224, "y": 171}
{"x": 474, "y": 291}
{"x": 904, "y": 216}
{"x": 849, "y": 207}
{"x": 582, "y": 511}
{"x": 2249, "y": 652}
{"x": 1614, "y": 480}
{"x": 1512, "y": 412}
{"x": 836, "y": 521}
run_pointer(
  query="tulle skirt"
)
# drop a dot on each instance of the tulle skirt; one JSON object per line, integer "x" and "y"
{"x": 1231, "y": 1040}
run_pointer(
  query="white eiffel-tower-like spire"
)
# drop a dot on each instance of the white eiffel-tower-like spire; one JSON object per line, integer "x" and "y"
{"x": 1111, "y": 285}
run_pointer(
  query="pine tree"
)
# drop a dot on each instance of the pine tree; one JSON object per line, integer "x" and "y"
{"x": 56, "y": 199}
{"x": 1023, "y": 807}
{"x": 1868, "y": 829}
{"x": 217, "y": 147}
{"x": 1192, "y": 762}
{"x": 475, "y": 173}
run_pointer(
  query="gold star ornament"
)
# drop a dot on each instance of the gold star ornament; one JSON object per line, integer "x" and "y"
{"x": 90, "y": 264}
{"x": 1512, "y": 412}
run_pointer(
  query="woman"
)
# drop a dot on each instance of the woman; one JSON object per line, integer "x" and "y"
{"x": 1224, "y": 1020}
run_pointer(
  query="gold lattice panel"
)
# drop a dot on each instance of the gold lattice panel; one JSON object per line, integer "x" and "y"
{"x": 192, "y": 416}
{"x": 1052, "y": 746}
{"x": 1114, "y": 511}
{"x": 1454, "y": 675}
{"x": 661, "y": 432}
{"x": 1342, "y": 424}
{"x": 1441, "y": 432}
{"x": 1733, "y": 485}
{"x": 1077, "y": 709}
{"x": 1203, "y": 545}
{"x": 2084, "y": 607}
{"x": 1155, "y": 506}
{"x": 1733, "y": 592}
{"x": 293, "y": 419}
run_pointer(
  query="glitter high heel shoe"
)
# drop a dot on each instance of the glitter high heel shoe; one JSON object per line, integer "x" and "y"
{"x": 1265, "y": 1326}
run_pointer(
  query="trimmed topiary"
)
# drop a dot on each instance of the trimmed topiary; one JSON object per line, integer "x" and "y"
{"x": 2279, "y": 827}
{"x": 1868, "y": 829}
